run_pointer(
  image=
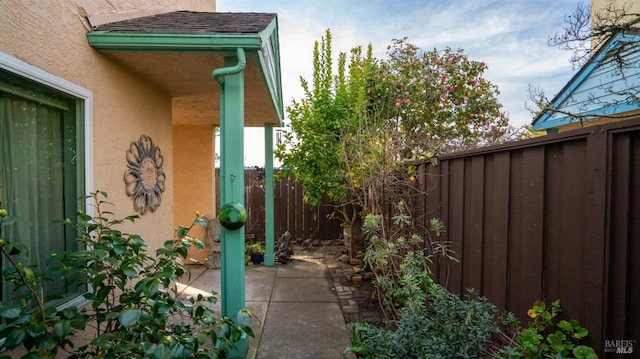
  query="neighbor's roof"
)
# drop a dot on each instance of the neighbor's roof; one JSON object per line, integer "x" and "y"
{"x": 190, "y": 22}
{"x": 602, "y": 87}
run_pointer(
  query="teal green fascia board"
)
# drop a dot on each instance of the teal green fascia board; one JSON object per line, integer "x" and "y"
{"x": 123, "y": 41}
{"x": 273, "y": 84}
{"x": 275, "y": 91}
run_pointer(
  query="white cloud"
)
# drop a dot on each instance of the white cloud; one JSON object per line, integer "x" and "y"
{"x": 509, "y": 35}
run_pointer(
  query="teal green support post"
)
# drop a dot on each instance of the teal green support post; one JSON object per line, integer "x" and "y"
{"x": 231, "y": 80}
{"x": 269, "y": 217}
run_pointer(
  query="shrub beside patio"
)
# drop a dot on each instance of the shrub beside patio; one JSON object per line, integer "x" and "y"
{"x": 132, "y": 309}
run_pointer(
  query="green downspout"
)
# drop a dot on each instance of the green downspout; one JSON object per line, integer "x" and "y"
{"x": 269, "y": 218}
{"x": 232, "y": 269}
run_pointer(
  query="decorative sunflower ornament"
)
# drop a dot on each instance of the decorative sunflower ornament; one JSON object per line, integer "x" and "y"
{"x": 144, "y": 178}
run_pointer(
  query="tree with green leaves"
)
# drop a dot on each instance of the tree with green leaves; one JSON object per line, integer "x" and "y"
{"x": 311, "y": 148}
{"x": 353, "y": 132}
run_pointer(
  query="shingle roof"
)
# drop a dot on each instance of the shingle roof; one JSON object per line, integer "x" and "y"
{"x": 189, "y": 22}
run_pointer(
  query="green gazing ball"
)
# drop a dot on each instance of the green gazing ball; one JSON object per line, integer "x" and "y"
{"x": 232, "y": 215}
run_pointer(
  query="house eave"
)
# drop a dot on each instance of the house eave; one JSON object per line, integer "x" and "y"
{"x": 254, "y": 44}
{"x": 118, "y": 41}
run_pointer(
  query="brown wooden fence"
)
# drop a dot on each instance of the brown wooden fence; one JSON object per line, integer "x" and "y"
{"x": 291, "y": 214}
{"x": 556, "y": 217}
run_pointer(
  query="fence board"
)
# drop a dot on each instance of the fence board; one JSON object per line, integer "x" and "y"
{"x": 495, "y": 253}
{"x": 456, "y": 223}
{"x": 595, "y": 237}
{"x": 526, "y": 242}
{"x": 438, "y": 184}
{"x": 619, "y": 233}
{"x": 633, "y": 311}
{"x": 473, "y": 222}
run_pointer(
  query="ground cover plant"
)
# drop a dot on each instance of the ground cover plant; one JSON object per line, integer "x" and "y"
{"x": 426, "y": 320}
{"x": 132, "y": 309}
{"x": 547, "y": 336}
{"x": 444, "y": 327}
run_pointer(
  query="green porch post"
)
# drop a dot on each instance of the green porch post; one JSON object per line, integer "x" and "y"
{"x": 231, "y": 80}
{"x": 269, "y": 258}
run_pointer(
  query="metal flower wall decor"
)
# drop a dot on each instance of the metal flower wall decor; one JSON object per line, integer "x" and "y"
{"x": 144, "y": 177}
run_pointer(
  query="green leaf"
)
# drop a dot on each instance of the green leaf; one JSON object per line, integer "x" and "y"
{"x": 182, "y": 231}
{"x": 62, "y": 328}
{"x": 15, "y": 337}
{"x": 10, "y": 312}
{"x": 584, "y": 352}
{"x": 564, "y": 325}
{"x": 130, "y": 272}
{"x": 151, "y": 288}
{"x": 129, "y": 317}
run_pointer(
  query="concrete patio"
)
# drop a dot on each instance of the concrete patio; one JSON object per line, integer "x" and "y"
{"x": 296, "y": 307}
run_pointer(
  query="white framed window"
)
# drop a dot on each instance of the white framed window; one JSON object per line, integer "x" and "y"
{"x": 46, "y": 158}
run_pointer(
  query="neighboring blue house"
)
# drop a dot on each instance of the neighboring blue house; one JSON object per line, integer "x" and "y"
{"x": 606, "y": 89}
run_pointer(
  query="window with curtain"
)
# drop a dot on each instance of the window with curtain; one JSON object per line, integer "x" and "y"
{"x": 41, "y": 173}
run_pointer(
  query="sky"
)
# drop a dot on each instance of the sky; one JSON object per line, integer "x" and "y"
{"x": 510, "y": 36}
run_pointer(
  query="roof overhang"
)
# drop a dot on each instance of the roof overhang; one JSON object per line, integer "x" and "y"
{"x": 178, "y": 52}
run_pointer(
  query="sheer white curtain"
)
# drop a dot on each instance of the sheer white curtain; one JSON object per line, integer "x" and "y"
{"x": 32, "y": 180}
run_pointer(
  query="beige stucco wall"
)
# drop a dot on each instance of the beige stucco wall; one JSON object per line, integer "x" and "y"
{"x": 193, "y": 178}
{"x": 599, "y": 6}
{"x": 631, "y": 5}
{"x": 51, "y": 35}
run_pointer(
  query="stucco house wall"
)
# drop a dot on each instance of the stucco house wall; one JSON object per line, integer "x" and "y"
{"x": 193, "y": 177}
{"x": 51, "y": 35}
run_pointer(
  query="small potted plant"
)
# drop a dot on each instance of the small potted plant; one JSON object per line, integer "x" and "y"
{"x": 255, "y": 251}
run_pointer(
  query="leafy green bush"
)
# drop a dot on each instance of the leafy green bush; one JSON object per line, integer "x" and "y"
{"x": 447, "y": 327}
{"x": 133, "y": 308}
{"x": 429, "y": 321}
{"x": 401, "y": 258}
{"x": 546, "y": 337}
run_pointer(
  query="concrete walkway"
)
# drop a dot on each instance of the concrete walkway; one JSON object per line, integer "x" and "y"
{"x": 297, "y": 313}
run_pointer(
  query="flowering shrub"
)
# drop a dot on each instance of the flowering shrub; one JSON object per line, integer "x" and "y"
{"x": 440, "y": 98}
{"x": 132, "y": 311}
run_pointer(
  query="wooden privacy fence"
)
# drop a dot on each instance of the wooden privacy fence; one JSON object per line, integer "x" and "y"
{"x": 291, "y": 214}
{"x": 556, "y": 217}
